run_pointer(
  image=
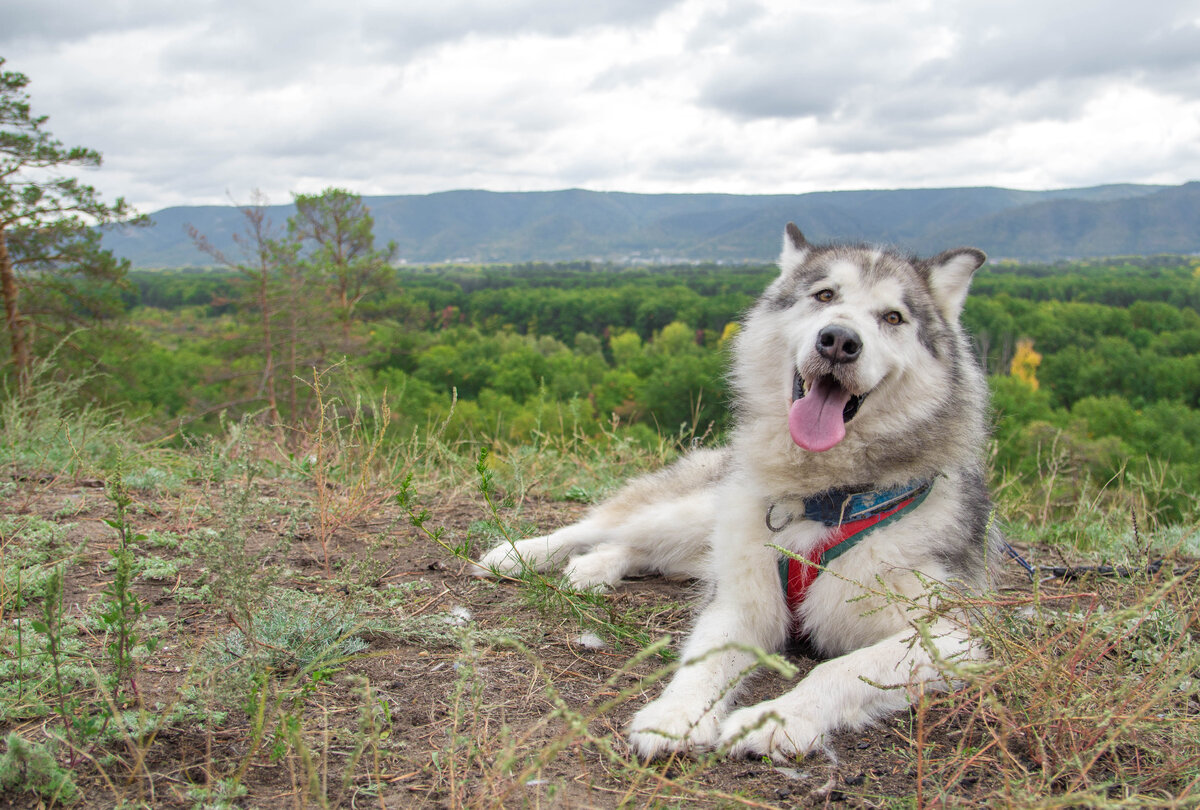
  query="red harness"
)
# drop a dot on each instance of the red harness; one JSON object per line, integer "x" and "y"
{"x": 801, "y": 572}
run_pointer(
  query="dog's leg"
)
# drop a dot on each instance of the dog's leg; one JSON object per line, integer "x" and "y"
{"x": 668, "y": 536}
{"x": 747, "y": 614}
{"x": 541, "y": 553}
{"x": 718, "y": 655}
{"x": 604, "y": 565}
{"x": 845, "y": 693}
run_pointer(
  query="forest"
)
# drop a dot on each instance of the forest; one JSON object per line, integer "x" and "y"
{"x": 1094, "y": 366}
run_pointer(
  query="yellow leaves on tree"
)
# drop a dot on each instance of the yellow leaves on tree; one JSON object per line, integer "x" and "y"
{"x": 1025, "y": 363}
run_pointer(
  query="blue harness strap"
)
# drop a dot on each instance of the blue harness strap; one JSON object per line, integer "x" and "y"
{"x": 838, "y": 506}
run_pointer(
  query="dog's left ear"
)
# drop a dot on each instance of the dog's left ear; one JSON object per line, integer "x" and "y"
{"x": 949, "y": 277}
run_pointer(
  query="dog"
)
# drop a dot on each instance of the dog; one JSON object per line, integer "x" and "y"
{"x": 853, "y": 483}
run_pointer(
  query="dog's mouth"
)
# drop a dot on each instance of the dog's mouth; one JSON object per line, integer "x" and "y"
{"x": 820, "y": 410}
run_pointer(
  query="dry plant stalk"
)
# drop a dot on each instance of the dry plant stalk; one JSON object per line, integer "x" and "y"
{"x": 342, "y": 460}
{"x": 1089, "y": 698}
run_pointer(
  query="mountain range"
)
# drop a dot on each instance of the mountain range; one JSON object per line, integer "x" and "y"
{"x": 485, "y": 226}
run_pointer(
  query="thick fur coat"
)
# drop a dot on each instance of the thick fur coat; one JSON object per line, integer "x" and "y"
{"x": 851, "y": 373}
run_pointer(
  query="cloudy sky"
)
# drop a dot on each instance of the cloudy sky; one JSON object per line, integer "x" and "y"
{"x": 196, "y": 102}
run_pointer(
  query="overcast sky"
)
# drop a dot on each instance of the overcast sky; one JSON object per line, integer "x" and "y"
{"x": 193, "y": 102}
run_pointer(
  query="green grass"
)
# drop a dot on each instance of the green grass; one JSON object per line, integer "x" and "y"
{"x": 292, "y": 631}
{"x": 31, "y": 548}
{"x": 285, "y": 672}
{"x": 30, "y": 768}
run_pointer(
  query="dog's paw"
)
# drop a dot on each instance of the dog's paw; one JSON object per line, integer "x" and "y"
{"x": 602, "y": 567}
{"x": 501, "y": 560}
{"x": 769, "y": 730}
{"x": 665, "y": 726}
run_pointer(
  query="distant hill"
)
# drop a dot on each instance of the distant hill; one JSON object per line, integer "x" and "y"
{"x": 484, "y": 226}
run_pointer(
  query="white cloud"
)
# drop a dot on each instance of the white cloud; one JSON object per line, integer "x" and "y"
{"x": 1016, "y": 44}
{"x": 188, "y": 103}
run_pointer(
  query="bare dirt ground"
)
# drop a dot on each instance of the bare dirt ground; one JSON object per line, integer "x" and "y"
{"x": 457, "y": 717}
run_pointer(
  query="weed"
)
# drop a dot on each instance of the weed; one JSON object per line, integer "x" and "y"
{"x": 465, "y": 703}
{"x": 70, "y": 508}
{"x": 364, "y": 570}
{"x": 153, "y": 479}
{"x": 574, "y": 465}
{"x": 50, "y": 429}
{"x": 222, "y": 795}
{"x": 30, "y": 549}
{"x": 374, "y": 727}
{"x": 27, "y": 677}
{"x": 51, "y": 627}
{"x": 30, "y": 768}
{"x": 1090, "y": 697}
{"x": 1060, "y": 503}
{"x": 238, "y": 576}
{"x": 119, "y": 616}
{"x": 293, "y": 631}
{"x": 161, "y": 540}
{"x": 157, "y": 568}
{"x": 341, "y": 459}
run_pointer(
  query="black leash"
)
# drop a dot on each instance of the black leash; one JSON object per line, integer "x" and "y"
{"x": 1021, "y": 561}
{"x": 1068, "y": 573}
{"x": 1071, "y": 572}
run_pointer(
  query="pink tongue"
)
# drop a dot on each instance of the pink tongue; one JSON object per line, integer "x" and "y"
{"x": 815, "y": 420}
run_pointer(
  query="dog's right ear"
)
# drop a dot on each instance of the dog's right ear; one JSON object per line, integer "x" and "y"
{"x": 795, "y": 247}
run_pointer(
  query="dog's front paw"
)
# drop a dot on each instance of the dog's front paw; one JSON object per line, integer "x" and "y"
{"x": 602, "y": 567}
{"x": 500, "y": 560}
{"x": 669, "y": 726}
{"x": 771, "y": 730}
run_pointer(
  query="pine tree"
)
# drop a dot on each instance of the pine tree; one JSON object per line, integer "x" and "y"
{"x": 340, "y": 232}
{"x": 54, "y": 275}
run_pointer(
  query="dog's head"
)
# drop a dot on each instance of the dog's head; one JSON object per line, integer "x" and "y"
{"x": 860, "y": 322}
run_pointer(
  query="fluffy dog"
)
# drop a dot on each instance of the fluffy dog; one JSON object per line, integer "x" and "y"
{"x": 861, "y": 415}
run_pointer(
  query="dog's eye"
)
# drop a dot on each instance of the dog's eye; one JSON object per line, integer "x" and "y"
{"x": 894, "y": 318}
{"x": 824, "y": 296}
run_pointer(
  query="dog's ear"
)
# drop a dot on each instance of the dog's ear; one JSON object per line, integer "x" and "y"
{"x": 949, "y": 276}
{"x": 795, "y": 248}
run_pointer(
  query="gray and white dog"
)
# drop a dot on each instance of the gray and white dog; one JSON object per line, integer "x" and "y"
{"x": 861, "y": 415}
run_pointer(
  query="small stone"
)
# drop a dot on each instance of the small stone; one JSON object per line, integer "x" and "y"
{"x": 591, "y": 641}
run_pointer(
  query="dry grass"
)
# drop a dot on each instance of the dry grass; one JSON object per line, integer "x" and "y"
{"x": 1089, "y": 699}
{"x": 470, "y": 693}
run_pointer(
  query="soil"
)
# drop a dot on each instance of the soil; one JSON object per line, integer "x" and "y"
{"x": 452, "y": 711}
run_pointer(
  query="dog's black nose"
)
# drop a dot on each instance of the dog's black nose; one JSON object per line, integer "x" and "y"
{"x": 837, "y": 344}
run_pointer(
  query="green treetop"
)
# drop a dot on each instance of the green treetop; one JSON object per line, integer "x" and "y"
{"x": 54, "y": 276}
{"x": 339, "y": 232}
